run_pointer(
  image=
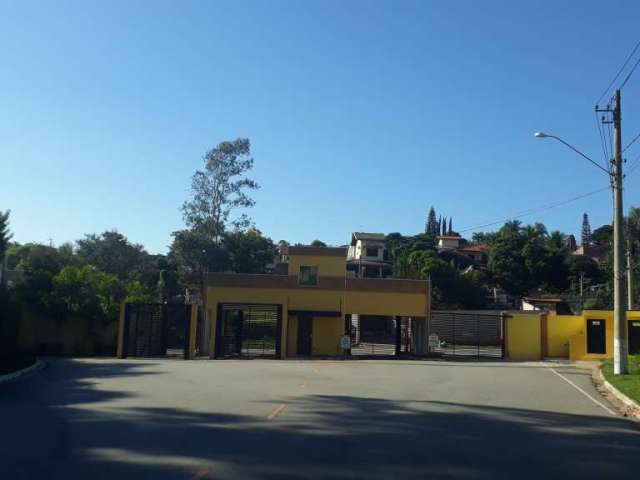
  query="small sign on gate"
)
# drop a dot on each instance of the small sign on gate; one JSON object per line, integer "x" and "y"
{"x": 345, "y": 342}
{"x": 434, "y": 341}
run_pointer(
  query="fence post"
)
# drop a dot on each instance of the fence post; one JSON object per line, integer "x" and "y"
{"x": 120, "y": 353}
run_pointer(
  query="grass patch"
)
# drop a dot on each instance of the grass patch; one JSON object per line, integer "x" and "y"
{"x": 627, "y": 384}
{"x": 15, "y": 363}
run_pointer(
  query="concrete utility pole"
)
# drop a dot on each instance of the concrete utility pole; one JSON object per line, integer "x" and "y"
{"x": 620, "y": 350}
{"x": 629, "y": 274}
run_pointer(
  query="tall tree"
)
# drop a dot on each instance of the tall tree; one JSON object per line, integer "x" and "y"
{"x": 586, "y": 230}
{"x": 432, "y": 225}
{"x": 5, "y": 234}
{"x": 220, "y": 188}
{"x": 450, "y": 232}
{"x": 443, "y": 230}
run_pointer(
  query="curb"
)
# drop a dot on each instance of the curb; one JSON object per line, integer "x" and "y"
{"x": 20, "y": 373}
{"x": 630, "y": 408}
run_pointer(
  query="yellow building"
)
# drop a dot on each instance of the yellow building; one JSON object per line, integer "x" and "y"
{"x": 533, "y": 335}
{"x": 307, "y": 312}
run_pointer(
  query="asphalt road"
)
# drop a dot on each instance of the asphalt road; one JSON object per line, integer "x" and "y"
{"x": 171, "y": 419}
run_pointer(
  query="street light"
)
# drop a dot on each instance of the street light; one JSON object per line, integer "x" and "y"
{"x": 620, "y": 349}
{"x": 544, "y": 135}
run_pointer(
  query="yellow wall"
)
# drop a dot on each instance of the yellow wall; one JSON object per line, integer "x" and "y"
{"x": 374, "y": 303}
{"x": 327, "y": 266}
{"x": 578, "y": 333}
{"x": 327, "y": 332}
{"x": 559, "y": 329}
{"x": 523, "y": 336}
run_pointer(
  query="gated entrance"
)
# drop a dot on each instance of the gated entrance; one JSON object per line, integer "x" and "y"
{"x": 156, "y": 330}
{"x": 374, "y": 335}
{"x": 468, "y": 334}
{"x": 248, "y": 330}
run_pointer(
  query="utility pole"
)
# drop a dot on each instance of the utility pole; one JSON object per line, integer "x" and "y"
{"x": 629, "y": 274}
{"x": 620, "y": 350}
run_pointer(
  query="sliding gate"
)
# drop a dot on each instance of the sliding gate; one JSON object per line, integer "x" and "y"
{"x": 248, "y": 330}
{"x": 156, "y": 330}
{"x": 468, "y": 334}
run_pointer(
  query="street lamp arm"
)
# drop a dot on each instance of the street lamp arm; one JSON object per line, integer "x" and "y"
{"x": 579, "y": 153}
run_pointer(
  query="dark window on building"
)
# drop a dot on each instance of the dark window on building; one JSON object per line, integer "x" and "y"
{"x": 308, "y": 275}
{"x": 372, "y": 252}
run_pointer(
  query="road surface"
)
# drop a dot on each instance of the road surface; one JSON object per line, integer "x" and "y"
{"x": 375, "y": 419}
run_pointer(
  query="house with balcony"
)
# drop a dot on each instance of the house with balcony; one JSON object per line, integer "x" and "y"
{"x": 367, "y": 256}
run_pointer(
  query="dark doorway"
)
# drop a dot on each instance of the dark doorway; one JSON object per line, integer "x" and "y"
{"x": 305, "y": 329}
{"x": 634, "y": 337}
{"x": 596, "y": 336}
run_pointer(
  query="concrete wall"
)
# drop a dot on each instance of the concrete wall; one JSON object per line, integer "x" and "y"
{"x": 523, "y": 336}
{"x": 560, "y": 328}
{"x": 532, "y": 335}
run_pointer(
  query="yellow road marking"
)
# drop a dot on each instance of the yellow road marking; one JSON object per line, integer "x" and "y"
{"x": 276, "y": 411}
{"x": 200, "y": 474}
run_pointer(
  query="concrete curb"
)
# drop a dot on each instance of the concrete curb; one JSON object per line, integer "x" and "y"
{"x": 629, "y": 407}
{"x": 20, "y": 373}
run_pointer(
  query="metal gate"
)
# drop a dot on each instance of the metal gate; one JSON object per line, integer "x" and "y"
{"x": 156, "y": 330}
{"x": 244, "y": 330}
{"x": 468, "y": 334}
{"x": 374, "y": 335}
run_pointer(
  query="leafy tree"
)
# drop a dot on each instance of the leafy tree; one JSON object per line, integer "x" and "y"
{"x": 318, "y": 243}
{"x": 87, "y": 291}
{"x": 37, "y": 265}
{"x": 220, "y": 188}
{"x": 5, "y": 234}
{"x": 602, "y": 236}
{"x": 450, "y": 231}
{"x": 586, "y": 230}
{"x": 250, "y": 251}
{"x": 111, "y": 252}
{"x": 506, "y": 261}
{"x": 194, "y": 252}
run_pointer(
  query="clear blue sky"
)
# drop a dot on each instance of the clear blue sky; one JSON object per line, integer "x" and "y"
{"x": 361, "y": 114}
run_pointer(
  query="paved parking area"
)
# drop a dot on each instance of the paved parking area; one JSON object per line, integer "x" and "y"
{"x": 166, "y": 419}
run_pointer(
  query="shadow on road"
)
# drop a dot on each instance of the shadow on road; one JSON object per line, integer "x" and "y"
{"x": 46, "y": 435}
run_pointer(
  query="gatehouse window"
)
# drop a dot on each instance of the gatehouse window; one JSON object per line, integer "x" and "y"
{"x": 308, "y": 275}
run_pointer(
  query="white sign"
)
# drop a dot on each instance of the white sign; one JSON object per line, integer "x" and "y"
{"x": 434, "y": 341}
{"x": 345, "y": 342}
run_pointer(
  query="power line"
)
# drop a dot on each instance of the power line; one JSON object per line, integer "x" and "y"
{"x": 536, "y": 209}
{"x": 603, "y": 143}
{"x": 619, "y": 72}
{"x": 631, "y": 142}
{"x": 629, "y": 75}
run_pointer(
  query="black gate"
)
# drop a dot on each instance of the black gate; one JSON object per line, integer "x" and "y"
{"x": 251, "y": 331}
{"x": 156, "y": 330}
{"x": 375, "y": 335}
{"x": 468, "y": 334}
